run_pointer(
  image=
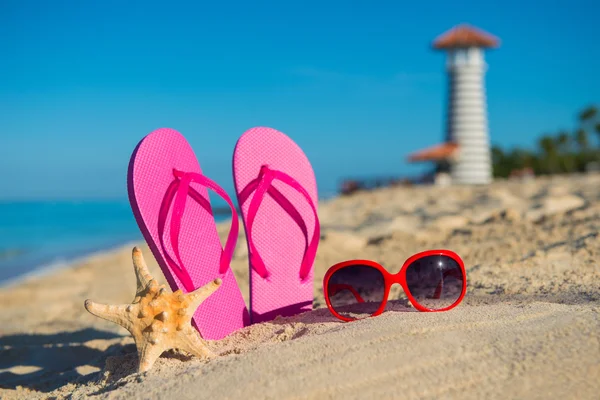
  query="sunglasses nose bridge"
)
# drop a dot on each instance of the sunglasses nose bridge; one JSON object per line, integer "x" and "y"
{"x": 396, "y": 292}
{"x": 396, "y": 278}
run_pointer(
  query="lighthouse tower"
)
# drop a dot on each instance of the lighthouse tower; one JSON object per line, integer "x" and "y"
{"x": 467, "y": 126}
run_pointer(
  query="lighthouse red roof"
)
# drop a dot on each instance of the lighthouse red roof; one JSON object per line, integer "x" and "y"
{"x": 435, "y": 153}
{"x": 465, "y": 36}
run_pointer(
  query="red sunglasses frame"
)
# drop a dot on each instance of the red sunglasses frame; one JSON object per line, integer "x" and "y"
{"x": 400, "y": 278}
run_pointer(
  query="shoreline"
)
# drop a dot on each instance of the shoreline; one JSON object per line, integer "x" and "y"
{"x": 66, "y": 262}
{"x": 18, "y": 258}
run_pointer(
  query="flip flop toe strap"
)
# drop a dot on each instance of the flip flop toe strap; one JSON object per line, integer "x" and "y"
{"x": 176, "y": 196}
{"x": 268, "y": 176}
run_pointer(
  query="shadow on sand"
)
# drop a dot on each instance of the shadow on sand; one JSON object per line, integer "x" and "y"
{"x": 50, "y": 356}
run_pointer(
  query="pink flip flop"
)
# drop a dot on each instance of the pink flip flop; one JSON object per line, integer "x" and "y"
{"x": 169, "y": 198}
{"x": 277, "y": 194}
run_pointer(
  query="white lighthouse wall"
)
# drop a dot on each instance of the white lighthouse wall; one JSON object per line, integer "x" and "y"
{"x": 467, "y": 116}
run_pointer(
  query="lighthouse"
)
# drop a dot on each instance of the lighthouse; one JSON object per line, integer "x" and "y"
{"x": 466, "y": 148}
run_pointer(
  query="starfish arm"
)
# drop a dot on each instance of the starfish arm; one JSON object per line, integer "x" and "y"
{"x": 196, "y": 297}
{"x": 142, "y": 273}
{"x": 193, "y": 344}
{"x": 113, "y": 313}
{"x": 148, "y": 353}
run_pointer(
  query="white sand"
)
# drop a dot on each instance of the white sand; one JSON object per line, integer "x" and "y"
{"x": 529, "y": 326}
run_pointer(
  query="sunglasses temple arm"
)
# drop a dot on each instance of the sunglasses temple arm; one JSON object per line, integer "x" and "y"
{"x": 336, "y": 288}
{"x": 440, "y": 286}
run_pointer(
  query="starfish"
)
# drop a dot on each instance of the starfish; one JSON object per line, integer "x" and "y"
{"x": 157, "y": 320}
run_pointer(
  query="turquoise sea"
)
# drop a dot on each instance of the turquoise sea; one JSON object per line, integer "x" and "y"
{"x": 36, "y": 234}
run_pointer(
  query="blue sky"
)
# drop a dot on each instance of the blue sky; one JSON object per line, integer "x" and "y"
{"x": 355, "y": 84}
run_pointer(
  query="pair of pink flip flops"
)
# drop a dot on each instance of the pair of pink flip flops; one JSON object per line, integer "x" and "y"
{"x": 277, "y": 195}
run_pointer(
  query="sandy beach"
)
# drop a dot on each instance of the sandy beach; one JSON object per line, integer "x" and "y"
{"x": 529, "y": 326}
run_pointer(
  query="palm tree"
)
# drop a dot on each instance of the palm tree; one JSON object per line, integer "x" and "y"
{"x": 564, "y": 152}
{"x": 566, "y": 159}
{"x": 549, "y": 153}
{"x": 582, "y": 157}
{"x": 582, "y": 140}
{"x": 588, "y": 119}
{"x": 588, "y": 114}
{"x": 563, "y": 141}
{"x": 521, "y": 158}
{"x": 547, "y": 145}
{"x": 499, "y": 162}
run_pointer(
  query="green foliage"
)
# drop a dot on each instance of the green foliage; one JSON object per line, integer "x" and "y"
{"x": 587, "y": 114}
{"x": 563, "y": 152}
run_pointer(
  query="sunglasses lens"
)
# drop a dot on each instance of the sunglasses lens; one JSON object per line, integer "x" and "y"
{"x": 356, "y": 291}
{"x": 435, "y": 282}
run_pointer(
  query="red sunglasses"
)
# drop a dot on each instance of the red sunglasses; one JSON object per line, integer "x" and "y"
{"x": 434, "y": 280}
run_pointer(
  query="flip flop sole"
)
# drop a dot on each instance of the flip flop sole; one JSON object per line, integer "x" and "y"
{"x": 277, "y": 236}
{"x": 150, "y": 176}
